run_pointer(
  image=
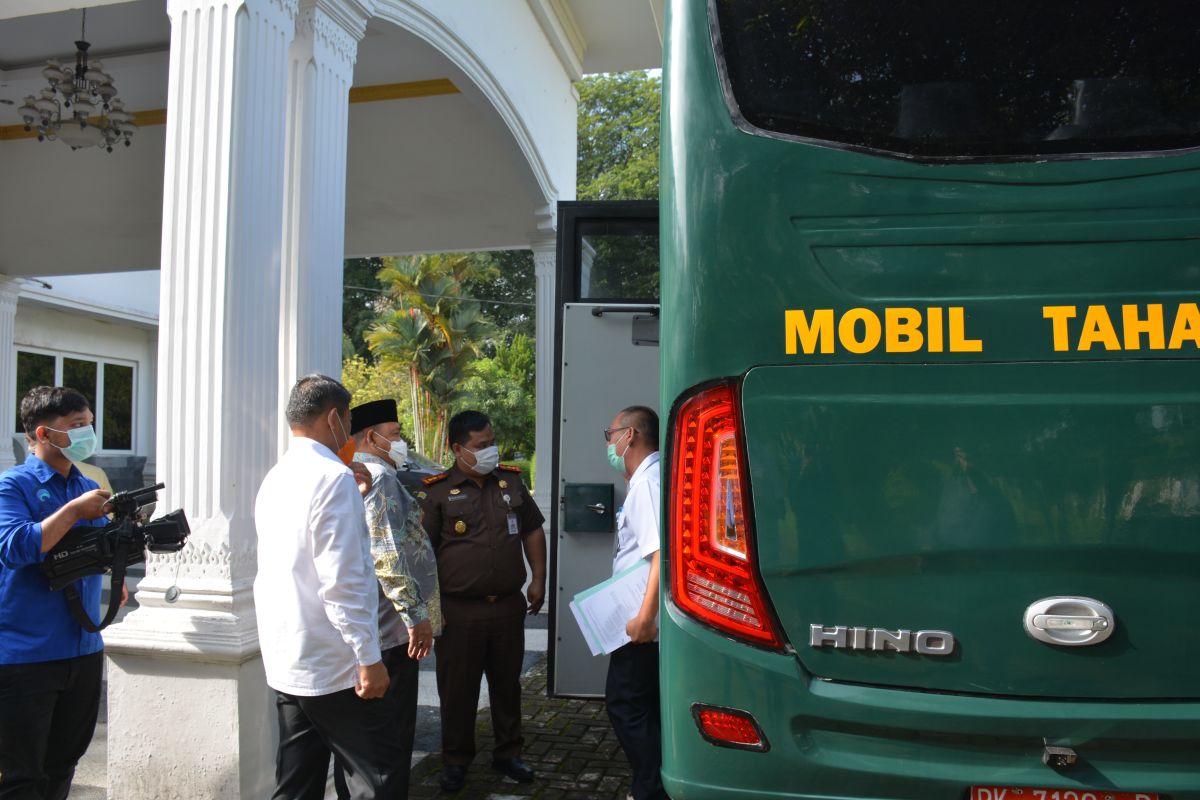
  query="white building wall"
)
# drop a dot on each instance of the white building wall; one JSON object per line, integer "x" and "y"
{"x": 63, "y": 332}
{"x": 135, "y": 291}
{"x": 503, "y": 50}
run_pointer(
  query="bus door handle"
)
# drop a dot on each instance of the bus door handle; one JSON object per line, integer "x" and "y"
{"x": 1064, "y": 622}
{"x": 597, "y": 508}
{"x": 1069, "y": 621}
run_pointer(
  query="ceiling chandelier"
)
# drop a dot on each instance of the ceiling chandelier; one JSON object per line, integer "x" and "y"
{"x": 80, "y": 106}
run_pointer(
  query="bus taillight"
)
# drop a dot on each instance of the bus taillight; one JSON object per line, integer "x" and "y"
{"x": 712, "y": 561}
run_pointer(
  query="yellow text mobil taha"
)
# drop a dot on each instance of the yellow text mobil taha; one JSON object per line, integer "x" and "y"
{"x": 938, "y": 329}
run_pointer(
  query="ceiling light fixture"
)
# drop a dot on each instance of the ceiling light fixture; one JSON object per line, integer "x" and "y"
{"x": 64, "y": 110}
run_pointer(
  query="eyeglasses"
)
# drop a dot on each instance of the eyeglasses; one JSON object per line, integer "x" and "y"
{"x": 608, "y": 432}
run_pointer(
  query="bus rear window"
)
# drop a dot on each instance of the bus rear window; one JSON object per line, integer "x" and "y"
{"x": 963, "y": 79}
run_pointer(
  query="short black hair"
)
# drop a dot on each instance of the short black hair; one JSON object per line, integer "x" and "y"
{"x": 314, "y": 395}
{"x": 44, "y": 403}
{"x": 644, "y": 419}
{"x": 464, "y": 423}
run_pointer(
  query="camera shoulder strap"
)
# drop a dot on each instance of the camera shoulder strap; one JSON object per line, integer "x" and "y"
{"x": 75, "y": 602}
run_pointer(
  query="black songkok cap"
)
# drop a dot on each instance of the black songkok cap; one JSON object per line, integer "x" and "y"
{"x": 372, "y": 413}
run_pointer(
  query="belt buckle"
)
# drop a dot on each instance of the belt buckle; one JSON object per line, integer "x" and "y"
{"x": 491, "y": 598}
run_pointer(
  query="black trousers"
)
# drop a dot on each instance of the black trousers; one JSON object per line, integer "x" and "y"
{"x": 361, "y": 734}
{"x": 47, "y": 717}
{"x": 403, "y": 673}
{"x": 473, "y": 645}
{"x": 631, "y": 694}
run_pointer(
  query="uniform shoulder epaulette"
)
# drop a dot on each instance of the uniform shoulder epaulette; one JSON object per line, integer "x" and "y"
{"x": 432, "y": 479}
{"x": 510, "y": 468}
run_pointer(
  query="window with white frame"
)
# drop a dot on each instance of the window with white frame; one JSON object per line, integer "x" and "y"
{"x": 108, "y": 384}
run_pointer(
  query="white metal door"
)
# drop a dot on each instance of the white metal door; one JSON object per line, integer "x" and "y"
{"x": 609, "y": 362}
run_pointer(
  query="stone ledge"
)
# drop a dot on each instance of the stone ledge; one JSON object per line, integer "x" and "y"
{"x": 186, "y": 634}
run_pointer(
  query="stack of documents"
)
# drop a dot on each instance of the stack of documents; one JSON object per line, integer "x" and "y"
{"x": 603, "y": 610}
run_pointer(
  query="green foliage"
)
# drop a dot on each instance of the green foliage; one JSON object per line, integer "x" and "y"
{"x": 526, "y": 467}
{"x": 367, "y": 381}
{"x": 624, "y": 266}
{"x": 362, "y": 302}
{"x": 508, "y": 292}
{"x": 433, "y": 333}
{"x": 503, "y": 388}
{"x": 618, "y": 136}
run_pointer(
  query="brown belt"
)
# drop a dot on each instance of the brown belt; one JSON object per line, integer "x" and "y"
{"x": 486, "y": 598}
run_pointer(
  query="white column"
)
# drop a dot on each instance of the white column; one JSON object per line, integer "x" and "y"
{"x": 321, "y": 67}
{"x": 9, "y": 289}
{"x": 545, "y": 272}
{"x": 190, "y": 715}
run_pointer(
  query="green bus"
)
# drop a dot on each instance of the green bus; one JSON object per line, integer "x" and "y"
{"x": 929, "y": 342}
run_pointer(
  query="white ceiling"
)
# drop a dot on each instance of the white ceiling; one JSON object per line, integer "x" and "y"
{"x": 620, "y": 35}
{"x": 424, "y": 174}
{"x": 120, "y": 28}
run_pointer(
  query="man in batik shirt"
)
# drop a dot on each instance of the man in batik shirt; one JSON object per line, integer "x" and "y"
{"x": 410, "y": 608}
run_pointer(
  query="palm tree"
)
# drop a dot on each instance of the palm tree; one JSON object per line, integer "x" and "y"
{"x": 434, "y": 332}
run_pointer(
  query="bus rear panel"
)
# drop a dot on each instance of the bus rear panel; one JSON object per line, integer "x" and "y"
{"x": 930, "y": 328}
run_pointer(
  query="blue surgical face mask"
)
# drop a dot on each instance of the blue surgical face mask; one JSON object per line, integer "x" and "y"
{"x": 83, "y": 442}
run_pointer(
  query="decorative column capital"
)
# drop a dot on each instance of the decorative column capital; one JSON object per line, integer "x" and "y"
{"x": 350, "y": 14}
{"x": 545, "y": 256}
{"x": 288, "y": 7}
{"x": 335, "y": 27}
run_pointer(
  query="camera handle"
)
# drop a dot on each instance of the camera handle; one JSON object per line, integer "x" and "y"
{"x": 75, "y": 602}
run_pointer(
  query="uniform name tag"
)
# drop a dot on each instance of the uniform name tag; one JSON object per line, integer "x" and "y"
{"x": 513, "y": 530}
{"x": 452, "y": 498}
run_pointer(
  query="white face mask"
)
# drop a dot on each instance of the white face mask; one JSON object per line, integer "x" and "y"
{"x": 397, "y": 451}
{"x": 486, "y": 460}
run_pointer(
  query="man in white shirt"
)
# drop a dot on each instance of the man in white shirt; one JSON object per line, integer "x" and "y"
{"x": 631, "y": 692}
{"x": 316, "y": 599}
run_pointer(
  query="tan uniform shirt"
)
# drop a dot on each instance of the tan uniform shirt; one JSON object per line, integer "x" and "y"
{"x": 477, "y": 555}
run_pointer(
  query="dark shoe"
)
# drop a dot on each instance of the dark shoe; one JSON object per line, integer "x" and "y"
{"x": 514, "y": 768}
{"x": 453, "y": 777}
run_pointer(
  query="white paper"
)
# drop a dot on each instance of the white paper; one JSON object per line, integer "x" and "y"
{"x": 603, "y": 610}
{"x": 585, "y": 629}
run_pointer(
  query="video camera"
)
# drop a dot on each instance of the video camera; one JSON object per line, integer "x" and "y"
{"x": 92, "y": 550}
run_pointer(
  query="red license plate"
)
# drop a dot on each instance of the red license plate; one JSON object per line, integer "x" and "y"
{"x": 1030, "y": 793}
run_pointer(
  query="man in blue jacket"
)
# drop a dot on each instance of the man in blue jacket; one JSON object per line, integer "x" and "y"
{"x": 50, "y": 667}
